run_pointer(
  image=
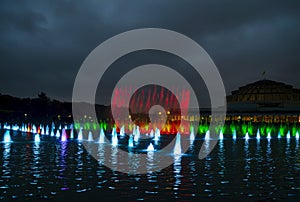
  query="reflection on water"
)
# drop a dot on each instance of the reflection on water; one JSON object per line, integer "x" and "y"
{"x": 253, "y": 169}
{"x": 177, "y": 175}
{"x": 247, "y": 159}
{"x": 6, "y": 171}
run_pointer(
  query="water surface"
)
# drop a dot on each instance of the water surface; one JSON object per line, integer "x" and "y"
{"x": 235, "y": 171}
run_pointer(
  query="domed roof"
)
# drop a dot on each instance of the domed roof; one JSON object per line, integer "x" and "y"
{"x": 266, "y": 92}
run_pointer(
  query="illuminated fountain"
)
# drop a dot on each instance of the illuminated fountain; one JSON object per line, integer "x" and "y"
{"x": 90, "y": 136}
{"x": 33, "y": 129}
{"x": 221, "y": 136}
{"x": 279, "y": 135}
{"x": 47, "y": 130}
{"x": 297, "y": 135}
{"x": 177, "y": 147}
{"x": 52, "y": 133}
{"x": 72, "y": 133}
{"x": 114, "y": 137}
{"x": 269, "y": 135}
{"x": 258, "y": 134}
{"x": 122, "y": 131}
{"x": 21, "y": 128}
{"x": 42, "y": 130}
{"x": 130, "y": 141}
{"x": 234, "y": 134}
{"x": 150, "y": 148}
{"x": 151, "y": 133}
{"x": 101, "y": 136}
{"x": 80, "y": 134}
{"x": 192, "y": 135}
{"x": 28, "y": 129}
{"x": 157, "y": 134}
{"x": 136, "y": 134}
{"x": 7, "y": 137}
{"x": 15, "y": 127}
{"x": 64, "y": 135}
{"x": 37, "y": 138}
{"x": 136, "y": 138}
{"x": 57, "y": 134}
{"x": 207, "y": 135}
{"x": 6, "y": 126}
{"x": 247, "y": 136}
{"x": 288, "y": 135}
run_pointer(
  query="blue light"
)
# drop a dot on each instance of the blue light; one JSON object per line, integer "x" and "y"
{"x": 150, "y": 148}
{"x": 177, "y": 147}
{"x": 7, "y": 137}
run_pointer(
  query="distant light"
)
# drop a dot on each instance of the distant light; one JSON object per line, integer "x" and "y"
{"x": 269, "y": 135}
{"x": 207, "y": 135}
{"x": 90, "y": 136}
{"x": 168, "y": 112}
{"x": 25, "y": 115}
{"x": 288, "y": 135}
{"x": 37, "y": 138}
{"x": 258, "y": 134}
{"x": 150, "y": 148}
{"x": 7, "y": 137}
{"x": 234, "y": 134}
{"x": 159, "y": 113}
{"x": 221, "y": 136}
{"x": 247, "y": 136}
{"x": 177, "y": 147}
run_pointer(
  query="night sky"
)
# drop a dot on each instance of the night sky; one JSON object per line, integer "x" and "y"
{"x": 43, "y": 43}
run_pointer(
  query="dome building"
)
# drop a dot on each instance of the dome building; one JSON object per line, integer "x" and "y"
{"x": 265, "y": 95}
{"x": 264, "y": 100}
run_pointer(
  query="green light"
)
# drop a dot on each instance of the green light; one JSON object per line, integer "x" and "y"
{"x": 250, "y": 128}
{"x": 294, "y": 130}
{"x": 77, "y": 125}
{"x": 232, "y": 128}
{"x": 244, "y": 128}
{"x": 282, "y": 130}
{"x": 95, "y": 126}
{"x": 263, "y": 130}
{"x": 268, "y": 129}
{"x": 87, "y": 126}
{"x": 202, "y": 128}
{"x": 130, "y": 127}
{"x": 105, "y": 125}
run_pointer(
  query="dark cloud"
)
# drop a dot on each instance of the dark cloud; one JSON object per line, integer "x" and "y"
{"x": 43, "y": 43}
